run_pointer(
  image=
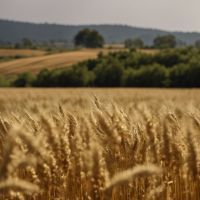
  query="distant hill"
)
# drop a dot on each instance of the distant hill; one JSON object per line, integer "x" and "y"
{"x": 12, "y": 31}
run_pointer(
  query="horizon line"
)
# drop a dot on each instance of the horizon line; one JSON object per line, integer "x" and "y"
{"x": 98, "y": 24}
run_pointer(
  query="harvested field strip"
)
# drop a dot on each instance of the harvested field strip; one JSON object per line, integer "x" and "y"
{"x": 54, "y": 61}
{"x": 21, "y": 52}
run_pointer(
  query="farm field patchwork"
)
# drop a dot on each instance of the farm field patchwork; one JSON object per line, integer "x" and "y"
{"x": 99, "y": 144}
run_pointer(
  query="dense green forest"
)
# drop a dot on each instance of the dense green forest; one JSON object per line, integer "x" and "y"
{"x": 167, "y": 68}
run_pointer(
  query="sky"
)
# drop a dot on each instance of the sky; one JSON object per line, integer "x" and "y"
{"x": 173, "y": 15}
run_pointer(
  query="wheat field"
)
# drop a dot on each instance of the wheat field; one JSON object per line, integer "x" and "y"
{"x": 96, "y": 144}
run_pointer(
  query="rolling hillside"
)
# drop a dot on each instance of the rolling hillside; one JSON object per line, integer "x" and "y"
{"x": 12, "y": 31}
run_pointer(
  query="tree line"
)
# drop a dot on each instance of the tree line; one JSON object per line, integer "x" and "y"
{"x": 90, "y": 38}
{"x": 166, "y": 68}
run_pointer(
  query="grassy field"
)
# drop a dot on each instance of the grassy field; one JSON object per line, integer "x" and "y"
{"x": 57, "y": 60}
{"x": 112, "y": 144}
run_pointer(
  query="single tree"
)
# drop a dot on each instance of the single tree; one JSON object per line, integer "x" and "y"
{"x": 165, "y": 41}
{"x": 26, "y": 42}
{"x": 89, "y": 39}
{"x": 134, "y": 43}
{"x": 197, "y": 44}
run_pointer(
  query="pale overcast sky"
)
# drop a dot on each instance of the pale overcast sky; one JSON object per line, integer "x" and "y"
{"x": 165, "y": 14}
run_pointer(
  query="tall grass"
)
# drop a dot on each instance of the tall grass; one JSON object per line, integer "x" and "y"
{"x": 101, "y": 144}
